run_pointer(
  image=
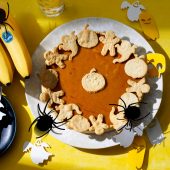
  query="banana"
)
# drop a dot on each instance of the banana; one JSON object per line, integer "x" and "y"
{"x": 6, "y": 67}
{"x": 16, "y": 47}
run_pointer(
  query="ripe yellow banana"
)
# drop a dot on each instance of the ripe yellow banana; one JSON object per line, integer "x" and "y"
{"x": 16, "y": 47}
{"x": 6, "y": 67}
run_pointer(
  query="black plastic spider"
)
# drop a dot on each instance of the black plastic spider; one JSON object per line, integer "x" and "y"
{"x": 131, "y": 114}
{"x": 4, "y": 17}
{"x": 45, "y": 122}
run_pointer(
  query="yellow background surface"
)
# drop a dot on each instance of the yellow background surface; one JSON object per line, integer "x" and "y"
{"x": 34, "y": 27}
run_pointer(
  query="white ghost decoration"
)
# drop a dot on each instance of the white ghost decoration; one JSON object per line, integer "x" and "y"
{"x": 1, "y": 113}
{"x": 37, "y": 151}
{"x": 134, "y": 10}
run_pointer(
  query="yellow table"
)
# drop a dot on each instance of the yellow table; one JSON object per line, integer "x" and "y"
{"x": 35, "y": 26}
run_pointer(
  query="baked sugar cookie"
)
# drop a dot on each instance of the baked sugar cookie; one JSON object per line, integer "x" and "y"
{"x": 93, "y": 81}
{"x": 136, "y": 68}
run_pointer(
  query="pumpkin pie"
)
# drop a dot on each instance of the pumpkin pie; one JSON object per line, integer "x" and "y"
{"x": 94, "y": 70}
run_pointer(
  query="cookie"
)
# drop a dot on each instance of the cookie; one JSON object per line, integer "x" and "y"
{"x": 136, "y": 67}
{"x": 117, "y": 120}
{"x": 66, "y": 111}
{"x": 87, "y": 38}
{"x": 97, "y": 124}
{"x": 139, "y": 87}
{"x": 79, "y": 123}
{"x": 55, "y": 97}
{"x": 128, "y": 98}
{"x": 54, "y": 57}
{"x": 109, "y": 40}
{"x": 125, "y": 49}
{"x": 93, "y": 82}
{"x": 49, "y": 78}
{"x": 45, "y": 94}
{"x": 68, "y": 43}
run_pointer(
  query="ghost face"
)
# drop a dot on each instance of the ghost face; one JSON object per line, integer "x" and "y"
{"x": 148, "y": 25}
{"x": 145, "y": 18}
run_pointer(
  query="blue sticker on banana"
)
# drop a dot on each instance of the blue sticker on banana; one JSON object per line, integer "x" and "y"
{"x": 7, "y": 36}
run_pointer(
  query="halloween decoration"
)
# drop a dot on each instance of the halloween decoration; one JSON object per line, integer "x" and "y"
{"x": 148, "y": 25}
{"x": 134, "y": 10}
{"x": 87, "y": 38}
{"x": 37, "y": 151}
{"x": 131, "y": 113}
{"x": 4, "y": 17}
{"x": 93, "y": 82}
{"x": 7, "y": 124}
{"x": 156, "y": 59}
{"x": 45, "y": 121}
{"x": 5, "y": 119}
{"x": 109, "y": 40}
{"x": 69, "y": 44}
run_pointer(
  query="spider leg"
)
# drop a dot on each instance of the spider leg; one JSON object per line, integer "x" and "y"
{"x": 137, "y": 103}
{"x": 8, "y": 25}
{"x": 5, "y": 27}
{"x": 51, "y": 112}
{"x": 59, "y": 122}
{"x": 142, "y": 117}
{"x": 117, "y": 105}
{"x": 33, "y": 123}
{"x": 120, "y": 119}
{"x": 58, "y": 127}
{"x": 131, "y": 126}
{"x": 120, "y": 111}
{"x": 123, "y": 102}
{"x": 8, "y": 11}
{"x": 128, "y": 124}
{"x": 123, "y": 126}
{"x": 46, "y": 105}
{"x": 62, "y": 121}
{"x": 44, "y": 134}
{"x": 135, "y": 123}
{"x": 39, "y": 110}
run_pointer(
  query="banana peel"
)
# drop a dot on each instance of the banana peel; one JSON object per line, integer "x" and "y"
{"x": 6, "y": 67}
{"x": 16, "y": 49}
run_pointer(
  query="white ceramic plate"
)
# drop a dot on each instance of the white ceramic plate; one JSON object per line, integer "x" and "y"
{"x": 98, "y": 24}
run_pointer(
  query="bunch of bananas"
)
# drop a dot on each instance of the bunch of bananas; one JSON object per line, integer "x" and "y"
{"x": 13, "y": 51}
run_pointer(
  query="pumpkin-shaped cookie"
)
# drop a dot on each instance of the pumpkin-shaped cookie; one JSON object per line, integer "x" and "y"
{"x": 136, "y": 68}
{"x": 87, "y": 38}
{"x": 93, "y": 82}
